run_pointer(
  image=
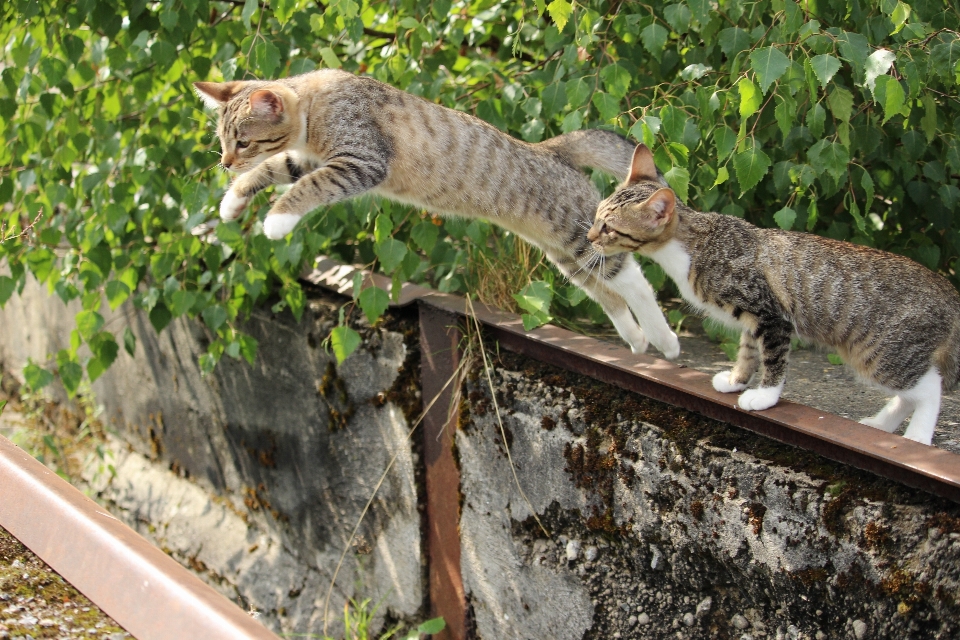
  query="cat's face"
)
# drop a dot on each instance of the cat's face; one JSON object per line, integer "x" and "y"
{"x": 257, "y": 120}
{"x": 639, "y": 216}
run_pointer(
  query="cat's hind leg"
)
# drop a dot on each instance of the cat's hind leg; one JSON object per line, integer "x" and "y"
{"x": 737, "y": 378}
{"x": 891, "y": 416}
{"x": 925, "y": 395}
{"x": 630, "y": 283}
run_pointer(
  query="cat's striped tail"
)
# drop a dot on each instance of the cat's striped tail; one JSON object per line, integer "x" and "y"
{"x": 604, "y": 150}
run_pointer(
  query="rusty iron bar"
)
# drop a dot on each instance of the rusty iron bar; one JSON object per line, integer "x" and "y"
{"x": 920, "y": 466}
{"x": 440, "y": 338}
{"x": 139, "y": 586}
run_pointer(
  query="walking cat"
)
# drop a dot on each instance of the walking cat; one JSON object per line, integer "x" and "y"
{"x": 896, "y": 323}
{"x": 335, "y": 135}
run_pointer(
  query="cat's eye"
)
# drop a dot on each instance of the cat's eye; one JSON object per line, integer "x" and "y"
{"x": 243, "y": 144}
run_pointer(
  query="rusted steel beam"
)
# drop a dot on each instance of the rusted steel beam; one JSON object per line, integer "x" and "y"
{"x": 440, "y": 358}
{"x": 139, "y": 586}
{"x": 891, "y": 456}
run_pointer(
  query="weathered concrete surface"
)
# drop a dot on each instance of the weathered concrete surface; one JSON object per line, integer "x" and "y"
{"x": 661, "y": 523}
{"x": 664, "y": 524}
{"x": 255, "y": 476}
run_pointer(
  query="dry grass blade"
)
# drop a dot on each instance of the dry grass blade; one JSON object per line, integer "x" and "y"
{"x": 496, "y": 408}
{"x": 353, "y": 534}
{"x": 495, "y": 275}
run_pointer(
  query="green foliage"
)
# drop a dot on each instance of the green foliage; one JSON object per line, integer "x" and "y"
{"x": 841, "y": 118}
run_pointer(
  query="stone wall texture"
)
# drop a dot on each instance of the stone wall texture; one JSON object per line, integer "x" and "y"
{"x": 619, "y": 517}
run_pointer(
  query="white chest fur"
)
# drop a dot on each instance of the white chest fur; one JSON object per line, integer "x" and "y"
{"x": 674, "y": 259}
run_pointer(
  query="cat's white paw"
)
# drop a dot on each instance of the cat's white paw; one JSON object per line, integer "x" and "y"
{"x": 759, "y": 399}
{"x": 638, "y": 343}
{"x": 277, "y": 225}
{"x": 671, "y": 349}
{"x": 721, "y": 382}
{"x": 232, "y": 206}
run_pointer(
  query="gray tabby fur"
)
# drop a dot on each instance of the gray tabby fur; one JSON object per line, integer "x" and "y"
{"x": 335, "y": 135}
{"x": 893, "y": 321}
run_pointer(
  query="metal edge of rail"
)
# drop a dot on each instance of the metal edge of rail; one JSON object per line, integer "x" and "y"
{"x": 891, "y": 456}
{"x": 148, "y": 593}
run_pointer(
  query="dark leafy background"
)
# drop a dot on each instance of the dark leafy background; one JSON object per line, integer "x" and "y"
{"x": 831, "y": 117}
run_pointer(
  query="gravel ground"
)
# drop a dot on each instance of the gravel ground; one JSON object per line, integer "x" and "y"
{"x": 36, "y": 603}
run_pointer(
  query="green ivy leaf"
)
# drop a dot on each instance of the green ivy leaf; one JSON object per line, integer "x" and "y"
{"x": 265, "y": 58}
{"x": 750, "y": 166}
{"x": 89, "y": 323}
{"x": 344, "y": 341}
{"x": 160, "y": 316}
{"x": 654, "y": 39}
{"x": 769, "y": 63}
{"x": 750, "y": 98}
{"x": 825, "y": 66}
{"x": 607, "y": 105}
{"x": 944, "y": 57}
{"x": 214, "y": 316}
{"x": 373, "y": 301}
{"x": 840, "y": 102}
{"x": 829, "y": 157}
{"x": 7, "y": 287}
{"x": 71, "y": 373}
{"x": 785, "y": 218}
{"x": 724, "y": 141}
{"x": 678, "y": 16}
{"x": 425, "y": 234}
{"x": 117, "y": 293}
{"x": 891, "y": 96}
{"x": 679, "y": 180}
{"x": 560, "y": 11}
{"x": 391, "y": 253}
{"x": 36, "y": 377}
{"x": 733, "y": 40}
{"x": 295, "y": 298}
{"x": 434, "y": 625}
{"x": 129, "y": 341}
{"x": 616, "y": 79}
{"x": 248, "y": 347}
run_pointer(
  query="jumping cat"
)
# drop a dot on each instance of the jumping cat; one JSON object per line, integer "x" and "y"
{"x": 335, "y": 135}
{"x": 896, "y": 323}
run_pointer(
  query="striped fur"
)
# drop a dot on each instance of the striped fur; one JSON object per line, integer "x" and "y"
{"x": 893, "y": 321}
{"x": 335, "y": 135}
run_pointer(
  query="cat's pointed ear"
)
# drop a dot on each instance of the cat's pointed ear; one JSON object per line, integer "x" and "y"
{"x": 659, "y": 208}
{"x": 217, "y": 94}
{"x": 642, "y": 167}
{"x": 266, "y": 104}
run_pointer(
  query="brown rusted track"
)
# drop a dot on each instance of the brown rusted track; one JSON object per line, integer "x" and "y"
{"x": 139, "y": 586}
{"x": 440, "y": 357}
{"x": 891, "y": 456}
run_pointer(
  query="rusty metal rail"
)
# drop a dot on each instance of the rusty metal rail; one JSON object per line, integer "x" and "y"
{"x": 916, "y": 465}
{"x": 139, "y": 586}
{"x": 153, "y": 597}
{"x": 891, "y": 456}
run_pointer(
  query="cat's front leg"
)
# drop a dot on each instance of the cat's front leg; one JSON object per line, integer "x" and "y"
{"x": 773, "y": 345}
{"x": 343, "y": 177}
{"x": 282, "y": 168}
{"x": 737, "y": 378}
{"x": 638, "y": 294}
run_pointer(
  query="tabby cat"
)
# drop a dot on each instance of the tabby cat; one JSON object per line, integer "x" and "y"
{"x": 896, "y": 323}
{"x": 335, "y": 135}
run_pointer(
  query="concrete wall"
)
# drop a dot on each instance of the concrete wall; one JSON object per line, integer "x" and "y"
{"x": 665, "y": 524}
{"x": 255, "y": 476}
{"x": 660, "y": 523}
